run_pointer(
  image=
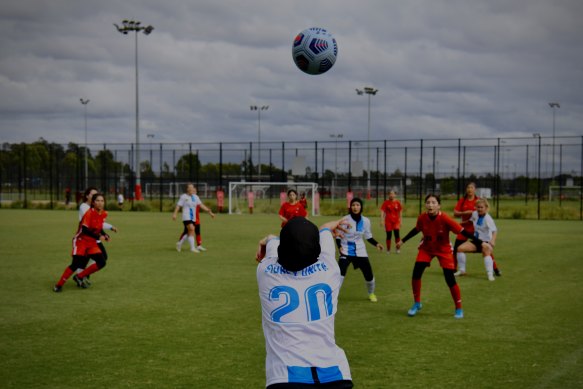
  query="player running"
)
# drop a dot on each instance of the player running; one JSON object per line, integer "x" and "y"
{"x": 86, "y": 245}
{"x": 191, "y": 205}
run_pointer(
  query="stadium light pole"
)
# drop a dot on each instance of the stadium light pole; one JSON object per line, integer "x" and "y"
{"x": 370, "y": 92}
{"x": 336, "y": 137}
{"x": 127, "y": 26}
{"x": 85, "y": 102}
{"x": 553, "y": 105}
{"x": 259, "y": 109}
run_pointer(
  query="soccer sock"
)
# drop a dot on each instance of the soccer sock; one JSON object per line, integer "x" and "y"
{"x": 191, "y": 242}
{"x": 88, "y": 270}
{"x": 198, "y": 240}
{"x": 66, "y": 274}
{"x": 489, "y": 264}
{"x": 388, "y": 242}
{"x": 461, "y": 262}
{"x": 416, "y": 290}
{"x": 370, "y": 285}
{"x": 456, "y": 295}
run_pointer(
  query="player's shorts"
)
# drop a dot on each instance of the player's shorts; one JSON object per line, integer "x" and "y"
{"x": 390, "y": 226}
{"x": 477, "y": 245}
{"x": 187, "y": 222}
{"x": 445, "y": 258}
{"x": 85, "y": 248}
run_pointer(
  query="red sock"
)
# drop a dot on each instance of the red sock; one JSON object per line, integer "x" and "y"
{"x": 88, "y": 270}
{"x": 388, "y": 242}
{"x": 494, "y": 262}
{"x": 457, "y": 296}
{"x": 198, "y": 240}
{"x": 66, "y": 274}
{"x": 416, "y": 290}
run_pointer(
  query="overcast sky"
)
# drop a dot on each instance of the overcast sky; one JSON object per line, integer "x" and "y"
{"x": 444, "y": 69}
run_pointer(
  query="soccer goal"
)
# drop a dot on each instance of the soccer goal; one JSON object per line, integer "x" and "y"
{"x": 564, "y": 192}
{"x": 239, "y": 194}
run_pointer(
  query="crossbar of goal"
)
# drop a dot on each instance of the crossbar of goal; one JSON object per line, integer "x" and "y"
{"x": 287, "y": 185}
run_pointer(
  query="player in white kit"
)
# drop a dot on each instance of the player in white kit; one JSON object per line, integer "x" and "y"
{"x": 299, "y": 281}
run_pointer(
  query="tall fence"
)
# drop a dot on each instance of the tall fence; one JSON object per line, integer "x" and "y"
{"x": 537, "y": 169}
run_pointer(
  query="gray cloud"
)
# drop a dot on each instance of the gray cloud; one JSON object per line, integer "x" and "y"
{"x": 445, "y": 69}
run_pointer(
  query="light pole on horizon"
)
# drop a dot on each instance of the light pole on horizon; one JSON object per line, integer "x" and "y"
{"x": 370, "y": 91}
{"x": 259, "y": 109}
{"x": 553, "y": 105}
{"x": 132, "y": 25}
{"x": 336, "y": 137}
{"x": 85, "y": 102}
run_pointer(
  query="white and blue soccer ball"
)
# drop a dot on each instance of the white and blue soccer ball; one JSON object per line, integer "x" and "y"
{"x": 314, "y": 50}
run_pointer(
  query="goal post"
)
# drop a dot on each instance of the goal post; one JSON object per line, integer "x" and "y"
{"x": 238, "y": 193}
{"x": 566, "y": 192}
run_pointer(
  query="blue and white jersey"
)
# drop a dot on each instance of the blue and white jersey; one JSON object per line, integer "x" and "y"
{"x": 298, "y": 311}
{"x": 484, "y": 226}
{"x": 353, "y": 242}
{"x": 189, "y": 204}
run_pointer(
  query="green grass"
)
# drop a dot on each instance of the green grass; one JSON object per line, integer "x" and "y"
{"x": 155, "y": 318}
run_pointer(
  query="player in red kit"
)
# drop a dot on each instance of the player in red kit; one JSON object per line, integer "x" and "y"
{"x": 291, "y": 208}
{"x": 435, "y": 227}
{"x": 86, "y": 245}
{"x": 391, "y": 213}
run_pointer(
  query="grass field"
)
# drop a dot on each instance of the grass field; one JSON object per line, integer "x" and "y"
{"x": 156, "y": 318}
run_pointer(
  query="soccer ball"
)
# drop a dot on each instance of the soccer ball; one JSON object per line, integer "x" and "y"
{"x": 314, "y": 50}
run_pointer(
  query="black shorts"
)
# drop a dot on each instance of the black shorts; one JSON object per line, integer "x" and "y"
{"x": 343, "y": 384}
{"x": 477, "y": 244}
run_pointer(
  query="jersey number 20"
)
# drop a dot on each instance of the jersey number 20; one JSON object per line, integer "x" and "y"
{"x": 291, "y": 301}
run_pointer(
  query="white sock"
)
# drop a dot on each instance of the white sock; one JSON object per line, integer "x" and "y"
{"x": 489, "y": 264}
{"x": 461, "y": 262}
{"x": 370, "y": 286}
{"x": 191, "y": 242}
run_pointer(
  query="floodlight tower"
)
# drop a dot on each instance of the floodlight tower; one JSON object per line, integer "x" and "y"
{"x": 85, "y": 102}
{"x": 127, "y": 26}
{"x": 553, "y": 105}
{"x": 370, "y": 91}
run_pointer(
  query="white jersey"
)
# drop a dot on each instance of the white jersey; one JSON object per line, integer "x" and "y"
{"x": 189, "y": 204}
{"x": 353, "y": 242}
{"x": 298, "y": 310}
{"x": 484, "y": 226}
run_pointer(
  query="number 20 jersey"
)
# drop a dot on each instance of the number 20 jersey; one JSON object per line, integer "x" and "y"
{"x": 298, "y": 310}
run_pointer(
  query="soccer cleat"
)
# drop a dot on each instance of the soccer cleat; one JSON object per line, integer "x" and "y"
{"x": 459, "y": 313}
{"x": 57, "y": 288}
{"x": 372, "y": 297}
{"x": 497, "y": 273}
{"x": 178, "y": 246}
{"x": 398, "y": 251}
{"x": 388, "y": 252}
{"x": 86, "y": 281}
{"x": 200, "y": 248}
{"x": 414, "y": 309}
{"x": 80, "y": 282}
{"x": 194, "y": 250}
{"x": 491, "y": 276}
{"x": 459, "y": 273}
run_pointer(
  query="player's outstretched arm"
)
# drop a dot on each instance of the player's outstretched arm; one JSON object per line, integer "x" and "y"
{"x": 261, "y": 249}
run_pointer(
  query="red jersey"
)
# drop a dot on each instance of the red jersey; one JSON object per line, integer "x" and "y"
{"x": 436, "y": 232}
{"x": 392, "y": 210}
{"x": 289, "y": 211}
{"x": 84, "y": 244}
{"x": 462, "y": 205}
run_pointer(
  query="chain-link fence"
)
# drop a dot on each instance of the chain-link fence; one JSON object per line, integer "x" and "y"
{"x": 534, "y": 170}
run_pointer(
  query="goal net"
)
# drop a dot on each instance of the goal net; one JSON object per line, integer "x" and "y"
{"x": 564, "y": 192}
{"x": 243, "y": 194}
